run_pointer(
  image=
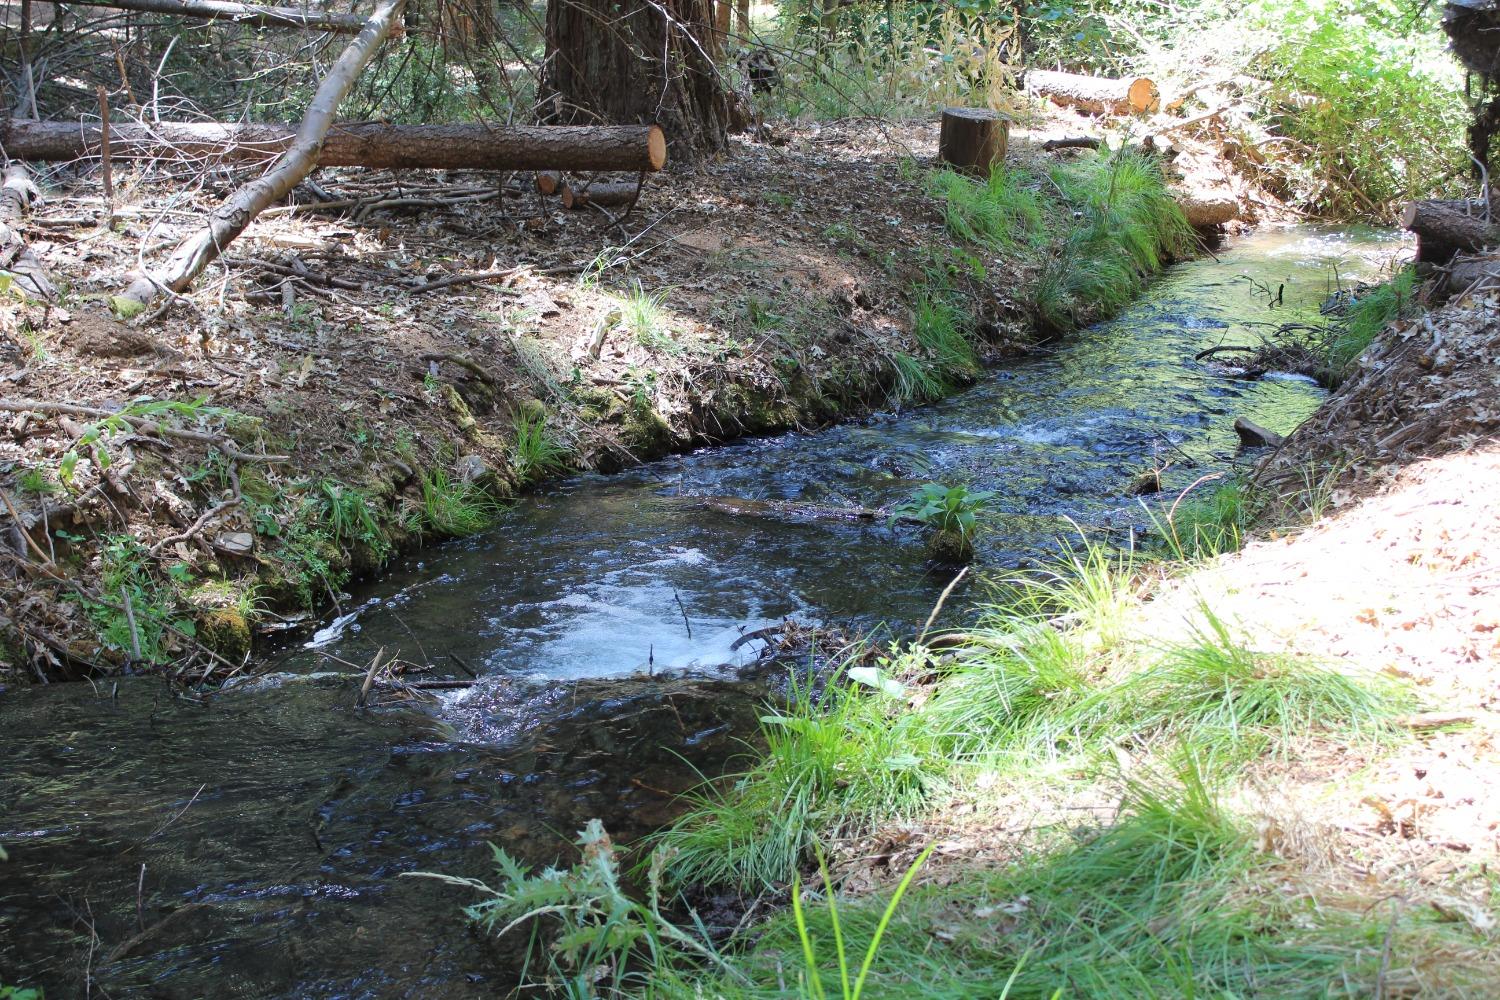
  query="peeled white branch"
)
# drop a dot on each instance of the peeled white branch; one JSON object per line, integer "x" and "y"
{"x": 231, "y": 218}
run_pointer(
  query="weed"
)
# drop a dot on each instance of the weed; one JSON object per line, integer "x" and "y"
{"x": 1371, "y": 313}
{"x": 1006, "y": 212}
{"x": 134, "y": 613}
{"x": 535, "y": 452}
{"x": 941, "y": 327}
{"x": 914, "y": 381}
{"x": 598, "y": 940}
{"x": 642, "y": 315}
{"x": 347, "y": 513}
{"x": 1204, "y": 528}
{"x": 454, "y": 508}
{"x": 36, "y": 481}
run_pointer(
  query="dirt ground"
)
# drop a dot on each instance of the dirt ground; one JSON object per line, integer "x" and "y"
{"x": 416, "y": 324}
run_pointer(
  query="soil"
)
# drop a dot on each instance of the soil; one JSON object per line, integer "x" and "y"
{"x": 767, "y": 291}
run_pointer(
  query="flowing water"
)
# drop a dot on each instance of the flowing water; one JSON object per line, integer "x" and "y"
{"x": 251, "y": 843}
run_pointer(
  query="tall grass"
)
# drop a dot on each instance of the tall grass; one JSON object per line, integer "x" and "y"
{"x": 1369, "y": 315}
{"x": 1006, "y": 212}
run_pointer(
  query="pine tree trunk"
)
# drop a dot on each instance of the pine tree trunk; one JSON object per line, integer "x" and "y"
{"x": 626, "y": 63}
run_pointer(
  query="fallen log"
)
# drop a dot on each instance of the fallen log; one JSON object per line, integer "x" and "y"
{"x": 1072, "y": 142}
{"x": 1445, "y": 228}
{"x": 16, "y": 258}
{"x": 355, "y": 144}
{"x": 1096, "y": 94}
{"x": 1204, "y": 210}
{"x": 242, "y": 13}
{"x": 600, "y": 193}
{"x": 231, "y": 218}
{"x": 1473, "y": 272}
{"x": 973, "y": 140}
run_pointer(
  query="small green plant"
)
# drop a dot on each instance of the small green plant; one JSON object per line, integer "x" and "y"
{"x": 18, "y": 992}
{"x": 134, "y": 614}
{"x": 96, "y": 436}
{"x": 595, "y": 939}
{"x": 454, "y": 508}
{"x": 952, "y": 512}
{"x": 812, "y": 971}
{"x": 535, "y": 452}
{"x": 942, "y": 328}
{"x": 1369, "y": 315}
{"x": 36, "y": 481}
{"x": 347, "y": 513}
{"x": 1005, "y": 212}
{"x": 914, "y": 380}
{"x": 1196, "y": 528}
{"x": 641, "y": 314}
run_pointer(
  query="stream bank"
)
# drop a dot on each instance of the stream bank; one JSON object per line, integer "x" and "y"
{"x": 285, "y": 817}
{"x": 386, "y": 416}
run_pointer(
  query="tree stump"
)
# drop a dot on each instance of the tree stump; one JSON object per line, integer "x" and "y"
{"x": 973, "y": 140}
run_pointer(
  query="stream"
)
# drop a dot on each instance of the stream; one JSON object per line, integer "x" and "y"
{"x": 250, "y": 843}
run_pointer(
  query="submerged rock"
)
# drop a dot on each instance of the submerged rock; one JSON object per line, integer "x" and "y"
{"x": 1252, "y": 435}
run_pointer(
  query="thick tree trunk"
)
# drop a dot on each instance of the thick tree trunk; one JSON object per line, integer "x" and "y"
{"x": 16, "y": 258}
{"x": 231, "y": 218}
{"x": 973, "y": 139}
{"x": 638, "y": 61}
{"x": 1097, "y": 94}
{"x": 1444, "y": 228}
{"x": 367, "y": 144}
{"x": 244, "y": 13}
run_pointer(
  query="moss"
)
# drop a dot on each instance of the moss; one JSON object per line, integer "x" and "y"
{"x": 225, "y": 631}
{"x": 954, "y": 548}
{"x": 461, "y": 413}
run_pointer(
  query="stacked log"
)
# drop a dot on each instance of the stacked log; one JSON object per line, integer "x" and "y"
{"x": 1445, "y": 228}
{"x": 355, "y": 144}
{"x": 1096, "y": 94}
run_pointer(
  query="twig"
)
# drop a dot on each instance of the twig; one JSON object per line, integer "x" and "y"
{"x": 196, "y": 526}
{"x": 680, "y": 607}
{"x": 140, "y": 423}
{"x": 159, "y": 830}
{"x": 364, "y": 689}
{"x": 942, "y": 598}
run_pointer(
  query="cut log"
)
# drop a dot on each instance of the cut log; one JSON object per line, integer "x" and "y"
{"x": 1445, "y": 228}
{"x": 16, "y": 258}
{"x": 244, "y": 13}
{"x": 1204, "y": 210}
{"x": 1096, "y": 94}
{"x": 600, "y": 193}
{"x": 548, "y": 181}
{"x": 366, "y": 144}
{"x": 1072, "y": 142}
{"x": 230, "y": 219}
{"x": 1466, "y": 272}
{"x": 973, "y": 139}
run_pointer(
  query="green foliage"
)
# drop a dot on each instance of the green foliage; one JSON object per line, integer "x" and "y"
{"x": 1007, "y": 212}
{"x": 1129, "y": 226}
{"x": 941, "y": 327}
{"x": 1203, "y": 528}
{"x": 535, "y": 453}
{"x": 945, "y": 508}
{"x": 18, "y": 992}
{"x": 643, "y": 315}
{"x": 1369, "y": 315}
{"x": 36, "y": 481}
{"x": 134, "y": 614}
{"x": 454, "y": 508}
{"x": 1368, "y": 96}
{"x": 915, "y": 381}
{"x": 594, "y": 938}
{"x": 347, "y": 514}
{"x": 832, "y": 760}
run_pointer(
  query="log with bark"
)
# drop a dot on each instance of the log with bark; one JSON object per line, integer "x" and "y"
{"x": 1445, "y": 228}
{"x": 355, "y": 144}
{"x": 973, "y": 139}
{"x": 1096, "y": 94}
{"x": 243, "y": 13}
{"x": 602, "y": 193}
{"x": 231, "y": 218}
{"x": 16, "y": 258}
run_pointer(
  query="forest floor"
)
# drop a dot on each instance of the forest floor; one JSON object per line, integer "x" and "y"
{"x": 354, "y": 379}
{"x": 1372, "y": 835}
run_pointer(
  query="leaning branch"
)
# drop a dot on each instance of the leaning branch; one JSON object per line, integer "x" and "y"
{"x": 231, "y": 218}
{"x": 242, "y": 13}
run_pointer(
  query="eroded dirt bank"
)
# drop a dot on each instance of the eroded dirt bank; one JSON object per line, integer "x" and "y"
{"x": 350, "y": 385}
